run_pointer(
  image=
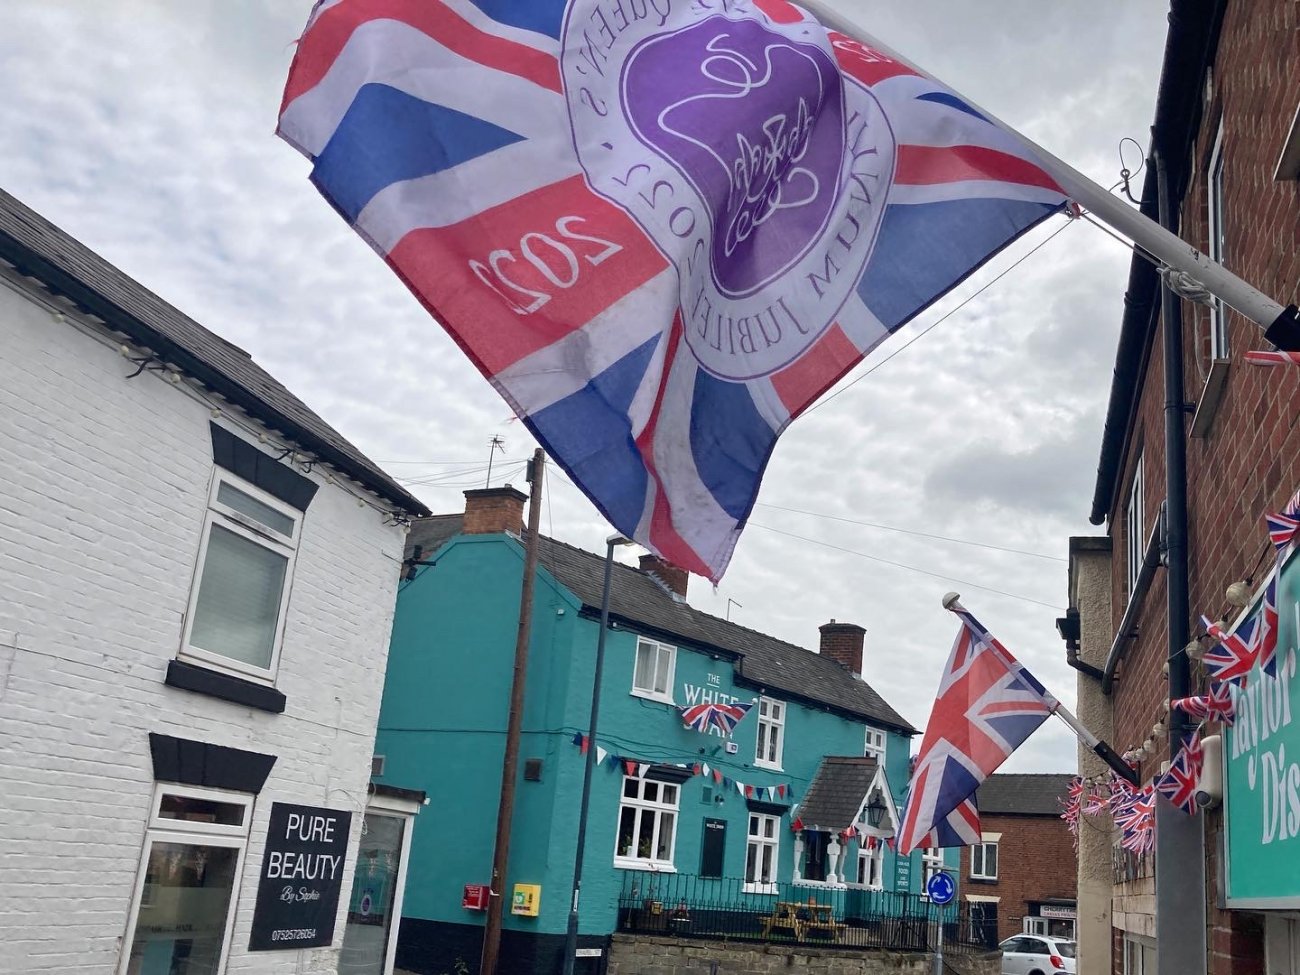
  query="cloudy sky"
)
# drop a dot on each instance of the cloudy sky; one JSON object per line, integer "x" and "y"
{"x": 144, "y": 128}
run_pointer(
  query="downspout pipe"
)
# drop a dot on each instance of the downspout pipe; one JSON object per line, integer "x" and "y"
{"x": 1180, "y": 839}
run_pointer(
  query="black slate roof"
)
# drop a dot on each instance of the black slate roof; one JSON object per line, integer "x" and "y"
{"x": 1022, "y": 795}
{"x": 637, "y": 598}
{"x": 42, "y": 251}
{"x": 837, "y": 791}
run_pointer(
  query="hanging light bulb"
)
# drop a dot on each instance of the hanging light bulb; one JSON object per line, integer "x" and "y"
{"x": 1194, "y": 649}
{"x": 1158, "y": 729}
{"x": 1149, "y": 746}
{"x": 1239, "y": 593}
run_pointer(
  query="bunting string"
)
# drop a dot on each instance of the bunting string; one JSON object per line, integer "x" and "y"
{"x": 780, "y": 792}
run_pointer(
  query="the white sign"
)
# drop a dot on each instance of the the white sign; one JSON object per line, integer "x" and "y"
{"x": 587, "y": 953}
{"x": 1048, "y": 910}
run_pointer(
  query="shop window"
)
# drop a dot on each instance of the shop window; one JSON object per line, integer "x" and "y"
{"x": 181, "y": 911}
{"x": 653, "y": 673}
{"x": 647, "y": 824}
{"x": 931, "y": 863}
{"x": 771, "y": 733}
{"x": 237, "y": 606}
{"x": 761, "y": 849}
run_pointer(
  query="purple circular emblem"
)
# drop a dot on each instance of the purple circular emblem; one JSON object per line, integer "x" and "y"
{"x": 755, "y": 166}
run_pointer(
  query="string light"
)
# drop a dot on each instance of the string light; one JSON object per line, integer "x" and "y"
{"x": 1238, "y": 594}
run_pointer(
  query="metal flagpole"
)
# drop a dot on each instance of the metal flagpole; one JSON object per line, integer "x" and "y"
{"x": 952, "y": 603}
{"x": 1281, "y": 325}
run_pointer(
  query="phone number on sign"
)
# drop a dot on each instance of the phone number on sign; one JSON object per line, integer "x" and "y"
{"x": 293, "y": 934}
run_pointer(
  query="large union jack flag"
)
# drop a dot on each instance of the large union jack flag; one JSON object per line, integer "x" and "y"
{"x": 660, "y": 230}
{"x": 987, "y": 705}
{"x": 724, "y": 717}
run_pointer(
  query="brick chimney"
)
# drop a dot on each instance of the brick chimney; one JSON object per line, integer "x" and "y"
{"x": 842, "y": 642}
{"x": 498, "y": 509}
{"x": 674, "y": 578}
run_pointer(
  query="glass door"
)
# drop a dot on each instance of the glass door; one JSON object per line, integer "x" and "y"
{"x": 373, "y": 910}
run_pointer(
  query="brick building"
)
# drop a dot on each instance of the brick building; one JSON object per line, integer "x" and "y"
{"x": 197, "y": 581}
{"x": 1021, "y": 877}
{"x": 1227, "y": 128}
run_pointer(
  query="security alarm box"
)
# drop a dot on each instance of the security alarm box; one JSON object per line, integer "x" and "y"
{"x": 732, "y": 748}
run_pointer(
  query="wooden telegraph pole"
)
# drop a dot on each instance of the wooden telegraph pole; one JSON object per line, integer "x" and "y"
{"x": 514, "y": 724}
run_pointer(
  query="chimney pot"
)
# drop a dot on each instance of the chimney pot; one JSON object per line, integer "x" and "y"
{"x": 674, "y": 578}
{"x": 492, "y": 510}
{"x": 842, "y": 642}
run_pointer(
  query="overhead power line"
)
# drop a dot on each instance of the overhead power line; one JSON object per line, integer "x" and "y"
{"x": 911, "y": 531}
{"x": 904, "y": 565}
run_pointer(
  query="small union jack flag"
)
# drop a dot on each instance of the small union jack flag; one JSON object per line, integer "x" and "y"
{"x": 1218, "y": 704}
{"x": 1178, "y": 785}
{"x": 724, "y": 717}
{"x": 1262, "y": 358}
{"x": 1096, "y": 801}
{"x": 1137, "y": 821}
{"x": 1234, "y": 656}
{"x": 1283, "y": 530}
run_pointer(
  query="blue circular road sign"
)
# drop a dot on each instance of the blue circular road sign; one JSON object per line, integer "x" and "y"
{"x": 940, "y": 888}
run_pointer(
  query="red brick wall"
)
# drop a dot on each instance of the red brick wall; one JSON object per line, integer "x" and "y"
{"x": 1035, "y": 861}
{"x": 1250, "y": 462}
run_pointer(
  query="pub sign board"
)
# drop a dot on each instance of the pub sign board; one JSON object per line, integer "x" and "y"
{"x": 302, "y": 875}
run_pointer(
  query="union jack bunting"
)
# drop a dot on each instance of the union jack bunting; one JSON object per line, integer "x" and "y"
{"x": 1071, "y": 805}
{"x": 986, "y": 706}
{"x": 1178, "y": 785}
{"x": 1137, "y": 821}
{"x": 1233, "y": 657}
{"x": 660, "y": 231}
{"x": 724, "y": 717}
{"x": 1283, "y": 527}
{"x": 1217, "y": 704}
{"x": 1266, "y": 642}
{"x": 1096, "y": 800}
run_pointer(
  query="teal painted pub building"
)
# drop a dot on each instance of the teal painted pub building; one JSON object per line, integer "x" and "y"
{"x": 800, "y": 797}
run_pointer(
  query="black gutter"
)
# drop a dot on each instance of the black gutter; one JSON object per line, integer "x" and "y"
{"x": 91, "y": 301}
{"x": 1127, "y": 631}
{"x": 1189, "y": 49}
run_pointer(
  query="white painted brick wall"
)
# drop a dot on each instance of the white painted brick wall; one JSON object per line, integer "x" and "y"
{"x": 103, "y": 489}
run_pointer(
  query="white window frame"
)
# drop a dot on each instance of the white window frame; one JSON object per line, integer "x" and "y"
{"x": 656, "y": 808}
{"x": 979, "y": 860}
{"x": 871, "y": 863}
{"x": 223, "y": 516}
{"x": 771, "y": 722}
{"x": 760, "y": 843}
{"x": 162, "y": 829}
{"x": 1214, "y": 204}
{"x": 649, "y": 693}
{"x": 875, "y": 743}
{"x": 1134, "y": 526}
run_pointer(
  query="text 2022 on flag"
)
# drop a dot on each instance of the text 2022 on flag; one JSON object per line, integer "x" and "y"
{"x": 660, "y": 228}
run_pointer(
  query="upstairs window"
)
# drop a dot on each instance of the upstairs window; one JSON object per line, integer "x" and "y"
{"x": 652, "y": 676}
{"x": 984, "y": 860}
{"x": 1215, "y": 251}
{"x": 875, "y": 745}
{"x": 1134, "y": 524}
{"x": 237, "y": 605}
{"x": 771, "y": 733}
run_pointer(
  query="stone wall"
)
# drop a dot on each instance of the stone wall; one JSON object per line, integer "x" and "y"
{"x": 642, "y": 955}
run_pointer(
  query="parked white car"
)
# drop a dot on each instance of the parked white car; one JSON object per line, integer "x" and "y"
{"x": 1032, "y": 954}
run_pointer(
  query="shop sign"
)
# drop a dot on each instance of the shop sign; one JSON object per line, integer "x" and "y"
{"x": 1050, "y": 910}
{"x": 1261, "y": 758}
{"x": 902, "y": 873}
{"x": 302, "y": 875}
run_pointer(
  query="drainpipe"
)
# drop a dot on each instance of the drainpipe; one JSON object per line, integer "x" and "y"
{"x": 1180, "y": 838}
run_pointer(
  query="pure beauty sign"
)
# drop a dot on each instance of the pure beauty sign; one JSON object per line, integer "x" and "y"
{"x": 302, "y": 874}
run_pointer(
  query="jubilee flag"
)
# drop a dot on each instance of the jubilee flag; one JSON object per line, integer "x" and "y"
{"x": 659, "y": 229}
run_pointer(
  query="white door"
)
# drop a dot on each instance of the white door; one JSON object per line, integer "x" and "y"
{"x": 1281, "y": 945}
{"x": 375, "y": 909}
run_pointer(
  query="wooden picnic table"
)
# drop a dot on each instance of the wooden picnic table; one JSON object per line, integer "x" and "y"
{"x": 800, "y": 917}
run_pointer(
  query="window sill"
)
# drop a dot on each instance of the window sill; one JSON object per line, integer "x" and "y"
{"x": 237, "y": 690}
{"x": 767, "y": 766}
{"x": 657, "y": 866}
{"x": 766, "y": 890}
{"x": 982, "y": 880}
{"x": 648, "y": 696}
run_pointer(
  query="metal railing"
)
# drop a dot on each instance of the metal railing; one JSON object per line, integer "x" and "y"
{"x": 729, "y": 909}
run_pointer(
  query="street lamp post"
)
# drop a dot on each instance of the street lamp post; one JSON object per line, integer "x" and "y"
{"x": 571, "y": 934}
